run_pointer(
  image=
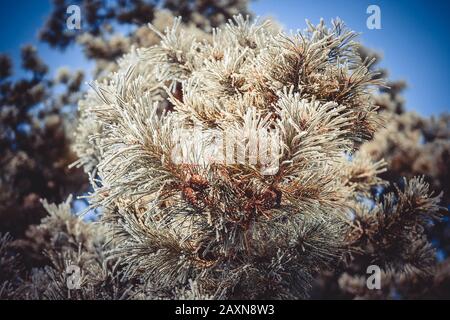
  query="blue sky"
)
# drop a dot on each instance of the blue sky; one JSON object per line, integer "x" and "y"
{"x": 414, "y": 39}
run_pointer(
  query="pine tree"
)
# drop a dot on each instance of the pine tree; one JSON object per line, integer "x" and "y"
{"x": 205, "y": 222}
{"x": 225, "y": 226}
{"x": 38, "y": 110}
{"x": 411, "y": 146}
{"x": 34, "y": 140}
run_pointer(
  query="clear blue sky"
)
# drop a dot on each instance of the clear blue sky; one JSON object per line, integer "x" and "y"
{"x": 414, "y": 38}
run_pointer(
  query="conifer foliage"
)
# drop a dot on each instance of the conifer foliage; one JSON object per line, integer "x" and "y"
{"x": 224, "y": 229}
{"x": 234, "y": 232}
